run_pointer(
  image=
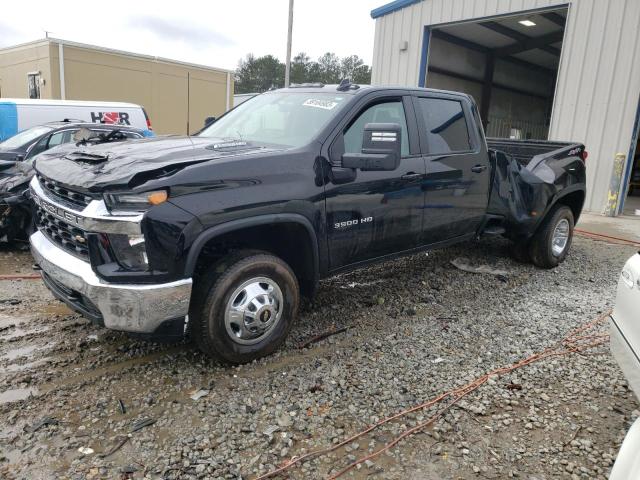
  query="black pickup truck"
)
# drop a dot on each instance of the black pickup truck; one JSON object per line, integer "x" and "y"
{"x": 218, "y": 235}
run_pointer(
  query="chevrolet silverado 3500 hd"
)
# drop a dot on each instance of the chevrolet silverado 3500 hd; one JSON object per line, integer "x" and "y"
{"x": 217, "y": 235}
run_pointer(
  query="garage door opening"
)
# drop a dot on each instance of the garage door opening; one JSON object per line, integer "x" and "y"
{"x": 508, "y": 64}
{"x": 632, "y": 202}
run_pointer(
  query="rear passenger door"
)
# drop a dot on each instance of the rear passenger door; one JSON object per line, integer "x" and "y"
{"x": 457, "y": 182}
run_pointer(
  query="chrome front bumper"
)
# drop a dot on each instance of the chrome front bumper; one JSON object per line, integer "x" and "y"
{"x": 130, "y": 308}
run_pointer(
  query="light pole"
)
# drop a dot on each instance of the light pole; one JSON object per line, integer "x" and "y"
{"x": 287, "y": 67}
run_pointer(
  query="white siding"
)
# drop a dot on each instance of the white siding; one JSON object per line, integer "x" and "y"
{"x": 598, "y": 83}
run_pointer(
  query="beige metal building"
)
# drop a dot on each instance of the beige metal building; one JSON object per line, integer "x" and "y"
{"x": 178, "y": 96}
{"x": 538, "y": 69}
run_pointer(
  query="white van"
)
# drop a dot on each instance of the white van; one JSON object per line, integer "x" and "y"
{"x": 17, "y": 114}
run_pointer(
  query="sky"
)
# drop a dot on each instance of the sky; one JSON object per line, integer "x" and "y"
{"x": 216, "y": 33}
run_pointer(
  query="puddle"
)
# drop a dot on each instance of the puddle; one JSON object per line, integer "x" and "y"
{"x": 20, "y": 332}
{"x": 24, "y": 351}
{"x": 20, "y": 367}
{"x": 17, "y": 394}
{"x": 10, "y": 320}
{"x": 115, "y": 368}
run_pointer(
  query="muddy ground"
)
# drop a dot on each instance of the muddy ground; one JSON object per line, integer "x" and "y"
{"x": 415, "y": 327}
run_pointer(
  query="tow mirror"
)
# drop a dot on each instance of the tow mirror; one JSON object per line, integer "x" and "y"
{"x": 82, "y": 135}
{"x": 381, "y": 145}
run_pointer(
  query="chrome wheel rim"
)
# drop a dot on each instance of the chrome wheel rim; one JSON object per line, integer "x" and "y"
{"x": 560, "y": 237}
{"x": 254, "y": 309}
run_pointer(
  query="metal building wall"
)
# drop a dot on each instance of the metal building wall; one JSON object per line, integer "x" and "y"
{"x": 598, "y": 85}
{"x": 178, "y": 96}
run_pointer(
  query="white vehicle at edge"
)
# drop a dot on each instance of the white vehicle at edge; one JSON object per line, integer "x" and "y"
{"x": 18, "y": 114}
{"x": 625, "y": 346}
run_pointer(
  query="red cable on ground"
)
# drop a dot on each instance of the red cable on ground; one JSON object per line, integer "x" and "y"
{"x": 20, "y": 277}
{"x": 619, "y": 239}
{"x": 571, "y": 343}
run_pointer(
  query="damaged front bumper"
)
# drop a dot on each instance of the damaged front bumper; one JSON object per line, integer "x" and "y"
{"x": 130, "y": 308}
{"x": 149, "y": 309}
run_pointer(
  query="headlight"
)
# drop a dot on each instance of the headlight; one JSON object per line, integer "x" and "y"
{"x": 130, "y": 251}
{"x": 127, "y": 203}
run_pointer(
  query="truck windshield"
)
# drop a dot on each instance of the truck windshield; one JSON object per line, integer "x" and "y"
{"x": 288, "y": 119}
{"x": 24, "y": 137}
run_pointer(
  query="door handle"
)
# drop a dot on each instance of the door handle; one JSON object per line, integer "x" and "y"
{"x": 411, "y": 176}
{"x": 478, "y": 168}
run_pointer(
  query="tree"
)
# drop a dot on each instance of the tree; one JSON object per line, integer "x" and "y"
{"x": 353, "y": 68}
{"x": 300, "y": 68}
{"x": 329, "y": 64}
{"x": 258, "y": 74}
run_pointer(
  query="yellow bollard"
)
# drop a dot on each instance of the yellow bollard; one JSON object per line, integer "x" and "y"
{"x": 613, "y": 196}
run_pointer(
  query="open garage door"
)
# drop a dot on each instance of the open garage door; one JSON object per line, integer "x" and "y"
{"x": 508, "y": 64}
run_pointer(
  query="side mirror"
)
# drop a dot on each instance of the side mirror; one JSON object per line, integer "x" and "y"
{"x": 208, "y": 121}
{"x": 381, "y": 148}
{"x": 19, "y": 158}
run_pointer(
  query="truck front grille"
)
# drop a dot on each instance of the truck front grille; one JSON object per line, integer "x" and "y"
{"x": 56, "y": 190}
{"x": 70, "y": 238}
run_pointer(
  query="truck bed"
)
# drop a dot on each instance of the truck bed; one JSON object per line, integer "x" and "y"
{"x": 524, "y": 150}
{"x": 528, "y": 177}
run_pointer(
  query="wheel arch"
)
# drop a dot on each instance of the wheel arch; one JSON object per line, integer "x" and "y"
{"x": 304, "y": 259}
{"x": 574, "y": 200}
{"x": 572, "y": 197}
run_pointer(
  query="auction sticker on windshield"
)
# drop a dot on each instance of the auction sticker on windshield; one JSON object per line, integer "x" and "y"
{"x": 318, "y": 103}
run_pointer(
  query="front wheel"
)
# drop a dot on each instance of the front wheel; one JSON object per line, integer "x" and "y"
{"x": 551, "y": 243}
{"x": 244, "y": 306}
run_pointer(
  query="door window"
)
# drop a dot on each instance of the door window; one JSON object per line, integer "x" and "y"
{"x": 50, "y": 141}
{"x": 387, "y": 112}
{"x": 39, "y": 147}
{"x": 57, "y": 139}
{"x": 446, "y": 126}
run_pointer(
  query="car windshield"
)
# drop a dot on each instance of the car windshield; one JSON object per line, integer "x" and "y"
{"x": 24, "y": 137}
{"x": 290, "y": 119}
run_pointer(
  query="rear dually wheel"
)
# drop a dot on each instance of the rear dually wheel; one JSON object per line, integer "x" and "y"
{"x": 551, "y": 243}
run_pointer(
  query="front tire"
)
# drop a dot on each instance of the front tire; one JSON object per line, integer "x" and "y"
{"x": 244, "y": 307}
{"x": 551, "y": 243}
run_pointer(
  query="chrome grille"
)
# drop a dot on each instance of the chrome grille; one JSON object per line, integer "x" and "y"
{"x": 70, "y": 238}
{"x": 56, "y": 190}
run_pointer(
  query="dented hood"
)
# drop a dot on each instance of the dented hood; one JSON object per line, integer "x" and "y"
{"x": 115, "y": 165}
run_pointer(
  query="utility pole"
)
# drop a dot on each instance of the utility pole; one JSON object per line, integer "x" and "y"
{"x": 287, "y": 65}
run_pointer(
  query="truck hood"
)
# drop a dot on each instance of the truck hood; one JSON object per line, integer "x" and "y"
{"x": 14, "y": 175}
{"x": 118, "y": 165}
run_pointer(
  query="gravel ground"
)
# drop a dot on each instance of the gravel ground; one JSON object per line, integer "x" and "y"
{"x": 416, "y": 327}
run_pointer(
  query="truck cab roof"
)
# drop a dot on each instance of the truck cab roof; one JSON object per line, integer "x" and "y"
{"x": 356, "y": 90}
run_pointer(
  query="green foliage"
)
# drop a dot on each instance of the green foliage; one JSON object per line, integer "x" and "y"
{"x": 258, "y": 74}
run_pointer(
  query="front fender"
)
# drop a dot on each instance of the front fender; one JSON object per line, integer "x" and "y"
{"x": 236, "y": 225}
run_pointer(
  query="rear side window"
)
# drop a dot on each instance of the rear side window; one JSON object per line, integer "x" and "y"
{"x": 447, "y": 130}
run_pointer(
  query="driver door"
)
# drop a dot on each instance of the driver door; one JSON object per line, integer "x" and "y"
{"x": 379, "y": 212}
